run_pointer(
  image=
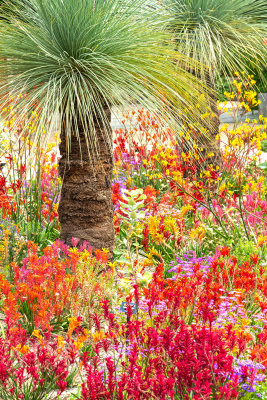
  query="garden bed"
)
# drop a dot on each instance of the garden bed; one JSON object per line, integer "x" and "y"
{"x": 178, "y": 313}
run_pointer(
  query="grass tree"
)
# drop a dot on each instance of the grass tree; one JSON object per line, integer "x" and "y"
{"x": 70, "y": 61}
{"x": 224, "y": 36}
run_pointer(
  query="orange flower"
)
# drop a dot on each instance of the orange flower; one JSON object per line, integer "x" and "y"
{"x": 74, "y": 323}
{"x": 98, "y": 336}
{"x": 22, "y": 349}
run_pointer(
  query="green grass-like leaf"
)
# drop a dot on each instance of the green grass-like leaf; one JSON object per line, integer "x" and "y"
{"x": 70, "y": 58}
{"x": 224, "y": 35}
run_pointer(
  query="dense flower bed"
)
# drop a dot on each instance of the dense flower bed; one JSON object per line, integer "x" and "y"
{"x": 180, "y": 312}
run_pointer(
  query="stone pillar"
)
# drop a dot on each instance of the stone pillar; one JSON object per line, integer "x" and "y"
{"x": 263, "y": 104}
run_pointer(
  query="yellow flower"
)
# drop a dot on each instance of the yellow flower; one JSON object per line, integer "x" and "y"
{"x": 222, "y": 187}
{"x": 112, "y": 265}
{"x": 128, "y": 183}
{"x": 98, "y": 335}
{"x": 170, "y": 224}
{"x": 154, "y": 252}
{"x": 198, "y": 233}
{"x": 73, "y": 324}
{"x": 60, "y": 344}
{"x": 81, "y": 339}
{"x": 185, "y": 209}
{"x": 85, "y": 255}
{"x": 60, "y": 341}
{"x": 37, "y": 334}
{"x": 153, "y": 225}
{"x": 22, "y": 349}
{"x": 261, "y": 240}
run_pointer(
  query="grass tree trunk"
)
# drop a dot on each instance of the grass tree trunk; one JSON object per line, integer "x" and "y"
{"x": 86, "y": 209}
{"x": 210, "y": 144}
{"x": 211, "y": 151}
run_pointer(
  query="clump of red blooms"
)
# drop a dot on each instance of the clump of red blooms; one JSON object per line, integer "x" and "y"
{"x": 13, "y": 191}
{"x": 165, "y": 357}
{"x": 7, "y": 203}
{"x": 164, "y": 362}
{"x": 157, "y": 352}
{"x": 32, "y": 373}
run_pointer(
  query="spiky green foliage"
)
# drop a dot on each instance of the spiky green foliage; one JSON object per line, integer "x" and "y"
{"x": 70, "y": 58}
{"x": 225, "y": 35}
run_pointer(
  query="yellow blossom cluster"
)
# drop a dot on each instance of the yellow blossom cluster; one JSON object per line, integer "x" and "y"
{"x": 253, "y": 185}
{"x": 155, "y": 230}
{"x": 243, "y": 92}
{"x": 185, "y": 209}
{"x": 198, "y": 233}
{"x": 261, "y": 240}
{"x": 158, "y": 225}
{"x": 244, "y": 140}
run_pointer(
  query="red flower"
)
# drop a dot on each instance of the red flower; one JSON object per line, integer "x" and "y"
{"x": 62, "y": 385}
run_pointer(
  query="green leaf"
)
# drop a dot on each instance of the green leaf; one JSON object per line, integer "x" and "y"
{"x": 263, "y": 165}
{"x": 131, "y": 202}
{"x": 223, "y": 35}
{"x": 124, "y": 205}
{"x": 133, "y": 215}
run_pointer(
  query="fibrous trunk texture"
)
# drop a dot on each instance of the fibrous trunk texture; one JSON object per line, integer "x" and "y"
{"x": 210, "y": 144}
{"x": 211, "y": 152}
{"x": 86, "y": 209}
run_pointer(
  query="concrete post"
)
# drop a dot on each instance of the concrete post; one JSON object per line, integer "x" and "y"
{"x": 263, "y": 104}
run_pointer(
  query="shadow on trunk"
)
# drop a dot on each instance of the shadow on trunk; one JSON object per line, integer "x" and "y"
{"x": 86, "y": 208}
